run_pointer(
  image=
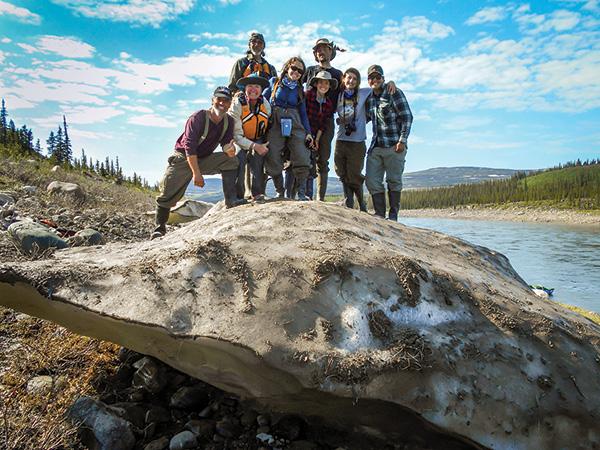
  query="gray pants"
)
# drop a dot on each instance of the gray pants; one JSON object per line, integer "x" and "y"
{"x": 299, "y": 154}
{"x": 178, "y": 175}
{"x": 384, "y": 161}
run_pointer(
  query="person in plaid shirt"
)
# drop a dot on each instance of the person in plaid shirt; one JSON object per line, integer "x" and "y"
{"x": 392, "y": 119}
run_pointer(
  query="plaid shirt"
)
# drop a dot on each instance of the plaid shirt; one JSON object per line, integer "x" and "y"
{"x": 391, "y": 118}
{"x": 318, "y": 113}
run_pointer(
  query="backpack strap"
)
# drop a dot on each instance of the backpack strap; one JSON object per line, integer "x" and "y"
{"x": 206, "y": 125}
{"x": 205, "y": 132}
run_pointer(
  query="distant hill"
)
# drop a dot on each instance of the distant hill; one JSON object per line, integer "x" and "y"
{"x": 436, "y": 177}
{"x": 575, "y": 185}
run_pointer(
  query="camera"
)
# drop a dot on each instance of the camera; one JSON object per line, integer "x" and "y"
{"x": 349, "y": 128}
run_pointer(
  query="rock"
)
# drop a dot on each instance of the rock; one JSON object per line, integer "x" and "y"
{"x": 71, "y": 190}
{"x": 41, "y": 385}
{"x": 201, "y": 428}
{"x": 263, "y": 420}
{"x": 34, "y": 238}
{"x": 157, "y": 414}
{"x": 248, "y": 418}
{"x": 55, "y": 169}
{"x": 229, "y": 299}
{"x": 6, "y": 199}
{"x": 189, "y": 397}
{"x": 150, "y": 375}
{"x": 87, "y": 236}
{"x": 29, "y": 189}
{"x": 289, "y": 427}
{"x": 131, "y": 412}
{"x": 303, "y": 445}
{"x": 183, "y": 440}
{"x": 158, "y": 444}
{"x": 110, "y": 432}
{"x": 188, "y": 210}
{"x": 227, "y": 427}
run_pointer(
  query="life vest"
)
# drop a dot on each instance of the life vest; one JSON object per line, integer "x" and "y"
{"x": 263, "y": 69}
{"x": 254, "y": 122}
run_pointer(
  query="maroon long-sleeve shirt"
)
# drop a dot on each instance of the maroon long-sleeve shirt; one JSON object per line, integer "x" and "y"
{"x": 194, "y": 127}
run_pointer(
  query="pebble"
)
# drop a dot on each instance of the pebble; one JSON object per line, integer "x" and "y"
{"x": 158, "y": 444}
{"x": 41, "y": 385}
{"x": 184, "y": 440}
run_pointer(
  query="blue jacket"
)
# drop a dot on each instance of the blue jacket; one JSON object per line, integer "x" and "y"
{"x": 287, "y": 98}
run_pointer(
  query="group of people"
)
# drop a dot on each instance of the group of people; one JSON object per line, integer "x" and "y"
{"x": 271, "y": 127}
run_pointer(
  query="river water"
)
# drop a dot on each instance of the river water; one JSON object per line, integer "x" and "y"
{"x": 563, "y": 257}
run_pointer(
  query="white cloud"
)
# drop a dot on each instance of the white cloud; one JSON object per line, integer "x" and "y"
{"x": 141, "y": 109}
{"x": 242, "y": 36}
{"x": 151, "y": 120}
{"x": 418, "y": 27}
{"x": 28, "y": 48}
{"x": 229, "y": 2}
{"x": 143, "y": 12}
{"x": 80, "y": 115}
{"x": 560, "y": 20}
{"x": 76, "y": 132}
{"x": 6, "y": 40}
{"x": 21, "y": 14}
{"x": 69, "y": 47}
{"x": 489, "y": 14}
{"x": 124, "y": 55}
{"x": 34, "y": 91}
{"x": 2, "y": 57}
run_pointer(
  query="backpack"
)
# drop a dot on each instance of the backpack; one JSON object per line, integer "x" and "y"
{"x": 206, "y": 125}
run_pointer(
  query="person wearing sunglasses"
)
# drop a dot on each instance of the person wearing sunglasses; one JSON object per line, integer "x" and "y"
{"x": 289, "y": 128}
{"x": 392, "y": 119}
{"x": 324, "y": 52}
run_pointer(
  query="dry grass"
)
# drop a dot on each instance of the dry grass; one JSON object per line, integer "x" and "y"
{"x": 30, "y": 347}
{"x": 594, "y": 317}
{"x": 100, "y": 193}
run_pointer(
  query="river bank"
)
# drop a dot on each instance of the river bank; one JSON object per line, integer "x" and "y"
{"x": 510, "y": 214}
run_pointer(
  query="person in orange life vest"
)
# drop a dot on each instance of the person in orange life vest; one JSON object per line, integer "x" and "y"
{"x": 250, "y": 112}
{"x": 290, "y": 127}
{"x": 253, "y": 62}
{"x": 195, "y": 156}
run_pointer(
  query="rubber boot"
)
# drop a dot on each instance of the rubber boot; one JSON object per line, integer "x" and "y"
{"x": 358, "y": 191}
{"x": 379, "y": 204}
{"x": 278, "y": 183}
{"x": 394, "y": 197}
{"x": 349, "y": 196}
{"x": 229, "y": 178}
{"x": 301, "y": 189}
{"x": 321, "y": 186}
{"x": 160, "y": 218}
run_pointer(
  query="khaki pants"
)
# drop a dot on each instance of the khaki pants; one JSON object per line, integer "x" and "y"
{"x": 299, "y": 154}
{"x": 349, "y": 158}
{"x": 178, "y": 175}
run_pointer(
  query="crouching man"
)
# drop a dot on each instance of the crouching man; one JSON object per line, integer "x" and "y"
{"x": 195, "y": 157}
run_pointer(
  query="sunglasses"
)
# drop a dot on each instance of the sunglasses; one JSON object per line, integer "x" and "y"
{"x": 297, "y": 69}
{"x": 375, "y": 77}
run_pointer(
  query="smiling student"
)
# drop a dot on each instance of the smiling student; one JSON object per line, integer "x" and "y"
{"x": 290, "y": 127}
{"x": 392, "y": 119}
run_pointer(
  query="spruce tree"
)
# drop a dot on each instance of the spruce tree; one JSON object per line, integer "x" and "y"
{"x": 67, "y": 148}
{"x": 59, "y": 155}
{"x": 51, "y": 144}
{"x": 38, "y": 147}
{"x": 83, "y": 160}
{"x": 3, "y": 124}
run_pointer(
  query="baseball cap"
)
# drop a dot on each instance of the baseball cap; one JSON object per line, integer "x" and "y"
{"x": 374, "y": 69}
{"x": 223, "y": 91}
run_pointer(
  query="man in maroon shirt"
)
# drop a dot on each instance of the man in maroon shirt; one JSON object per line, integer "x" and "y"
{"x": 195, "y": 157}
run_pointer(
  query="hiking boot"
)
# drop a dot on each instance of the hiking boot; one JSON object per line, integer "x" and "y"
{"x": 394, "y": 197}
{"x": 278, "y": 183}
{"x": 161, "y": 216}
{"x": 349, "y": 196}
{"x": 358, "y": 190}
{"x": 228, "y": 178}
{"x": 379, "y": 204}
{"x": 301, "y": 186}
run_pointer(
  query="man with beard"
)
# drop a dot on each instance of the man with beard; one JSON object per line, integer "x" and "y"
{"x": 195, "y": 157}
{"x": 253, "y": 62}
{"x": 324, "y": 52}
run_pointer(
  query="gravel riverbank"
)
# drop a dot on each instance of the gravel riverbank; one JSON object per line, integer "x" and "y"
{"x": 512, "y": 214}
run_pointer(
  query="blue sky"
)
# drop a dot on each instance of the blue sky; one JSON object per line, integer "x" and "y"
{"x": 495, "y": 84}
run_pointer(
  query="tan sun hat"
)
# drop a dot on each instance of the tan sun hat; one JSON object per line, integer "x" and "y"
{"x": 324, "y": 75}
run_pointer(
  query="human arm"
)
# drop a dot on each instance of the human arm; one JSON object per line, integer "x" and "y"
{"x": 236, "y": 74}
{"x": 192, "y": 132}
{"x": 192, "y": 161}
{"x": 390, "y": 87}
{"x": 235, "y": 113}
{"x": 304, "y": 117}
{"x": 227, "y": 141}
{"x": 405, "y": 116}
